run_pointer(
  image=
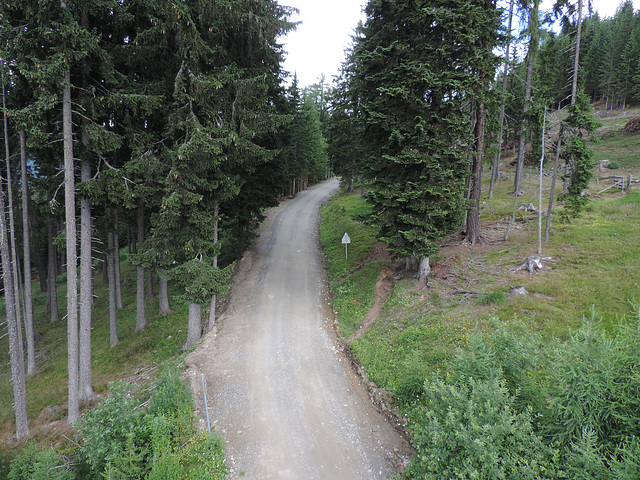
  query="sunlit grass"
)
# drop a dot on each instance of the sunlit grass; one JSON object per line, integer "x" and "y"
{"x": 592, "y": 265}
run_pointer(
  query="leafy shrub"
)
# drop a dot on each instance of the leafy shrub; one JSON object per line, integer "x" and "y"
{"x": 34, "y": 464}
{"x": 579, "y": 155}
{"x": 471, "y": 430}
{"x": 172, "y": 399}
{"x": 598, "y": 386}
{"x": 113, "y": 426}
{"x": 613, "y": 165}
{"x": 121, "y": 440}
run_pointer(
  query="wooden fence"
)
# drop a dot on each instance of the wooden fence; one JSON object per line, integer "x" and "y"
{"x": 620, "y": 182}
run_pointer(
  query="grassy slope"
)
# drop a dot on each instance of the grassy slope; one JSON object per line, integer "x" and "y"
{"x": 131, "y": 359}
{"x": 593, "y": 264}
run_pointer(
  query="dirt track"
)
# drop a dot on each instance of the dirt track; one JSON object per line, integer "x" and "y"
{"x": 285, "y": 399}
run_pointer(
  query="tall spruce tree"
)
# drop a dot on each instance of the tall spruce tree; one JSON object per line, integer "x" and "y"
{"x": 415, "y": 85}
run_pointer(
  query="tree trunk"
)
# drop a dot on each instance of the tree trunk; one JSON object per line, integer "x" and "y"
{"x": 544, "y": 122}
{"x": 72, "y": 273}
{"x": 496, "y": 160}
{"x": 195, "y": 324}
{"x": 350, "y": 189}
{"x": 53, "y": 271}
{"x": 12, "y": 229}
{"x": 28, "y": 295}
{"x": 86, "y": 290}
{"x": 473, "y": 216}
{"x": 163, "y": 297}
{"x": 16, "y": 354}
{"x": 212, "y": 304}
{"x": 576, "y": 56}
{"x": 113, "y": 316}
{"x": 528, "y": 85}
{"x": 424, "y": 269}
{"x": 116, "y": 252}
{"x": 141, "y": 321}
{"x": 553, "y": 187}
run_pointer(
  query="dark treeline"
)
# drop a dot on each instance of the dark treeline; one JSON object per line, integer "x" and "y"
{"x": 163, "y": 125}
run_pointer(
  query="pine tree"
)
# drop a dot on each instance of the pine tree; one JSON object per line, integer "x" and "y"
{"x": 414, "y": 85}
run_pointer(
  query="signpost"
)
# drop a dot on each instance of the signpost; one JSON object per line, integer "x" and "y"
{"x": 346, "y": 240}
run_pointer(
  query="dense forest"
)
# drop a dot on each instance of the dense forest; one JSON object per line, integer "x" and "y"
{"x": 167, "y": 127}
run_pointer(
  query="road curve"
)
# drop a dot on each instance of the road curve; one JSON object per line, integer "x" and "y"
{"x": 285, "y": 399}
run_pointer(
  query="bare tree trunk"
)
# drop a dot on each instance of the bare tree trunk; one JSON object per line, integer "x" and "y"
{"x": 544, "y": 122}
{"x": 113, "y": 316}
{"x": 12, "y": 227}
{"x": 116, "y": 252}
{"x": 212, "y": 305}
{"x": 86, "y": 290}
{"x": 53, "y": 270}
{"x": 424, "y": 269}
{"x": 576, "y": 57}
{"x": 141, "y": 321}
{"x": 350, "y": 189}
{"x": 28, "y": 294}
{"x": 194, "y": 331}
{"x": 473, "y": 216}
{"x": 553, "y": 187}
{"x": 528, "y": 85}
{"x": 16, "y": 354}
{"x": 72, "y": 273}
{"x": 496, "y": 160}
{"x": 163, "y": 297}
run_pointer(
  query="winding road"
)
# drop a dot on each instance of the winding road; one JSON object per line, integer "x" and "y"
{"x": 281, "y": 393}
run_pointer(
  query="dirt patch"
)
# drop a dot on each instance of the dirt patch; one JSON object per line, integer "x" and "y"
{"x": 384, "y": 286}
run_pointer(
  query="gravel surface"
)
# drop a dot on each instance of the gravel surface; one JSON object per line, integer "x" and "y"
{"x": 280, "y": 391}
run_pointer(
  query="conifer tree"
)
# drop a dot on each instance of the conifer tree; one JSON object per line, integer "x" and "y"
{"x": 415, "y": 81}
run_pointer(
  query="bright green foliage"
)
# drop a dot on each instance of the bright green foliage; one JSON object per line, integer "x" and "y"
{"x": 416, "y": 73}
{"x": 581, "y": 114}
{"x": 35, "y": 464}
{"x": 579, "y": 155}
{"x": 113, "y": 427}
{"x": 470, "y": 429}
{"x": 598, "y": 387}
{"x": 123, "y": 440}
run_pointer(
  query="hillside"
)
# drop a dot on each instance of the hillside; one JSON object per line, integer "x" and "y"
{"x": 589, "y": 265}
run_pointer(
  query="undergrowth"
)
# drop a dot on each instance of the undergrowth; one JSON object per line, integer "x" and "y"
{"x": 535, "y": 386}
{"x": 135, "y": 432}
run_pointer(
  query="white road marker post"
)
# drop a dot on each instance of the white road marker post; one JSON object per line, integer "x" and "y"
{"x": 346, "y": 240}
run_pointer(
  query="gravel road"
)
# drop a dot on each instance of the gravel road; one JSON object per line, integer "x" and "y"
{"x": 283, "y": 396}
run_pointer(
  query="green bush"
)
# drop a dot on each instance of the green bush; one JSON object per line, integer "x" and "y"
{"x": 108, "y": 429}
{"x": 471, "y": 430}
{"x": 34, "y": 464}
{"x": 122, "y": 440}
{"x": 597, "y": 386}
{"x": 613, "y": 165}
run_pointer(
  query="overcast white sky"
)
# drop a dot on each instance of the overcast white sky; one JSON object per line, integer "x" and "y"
{"x": 317, "y": 46}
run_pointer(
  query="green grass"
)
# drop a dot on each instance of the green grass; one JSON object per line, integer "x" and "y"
{"x": 161, "y": 340}
{"x": 593, "y": 265}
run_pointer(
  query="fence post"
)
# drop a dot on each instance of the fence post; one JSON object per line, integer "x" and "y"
{"x": 629, "y": 183}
